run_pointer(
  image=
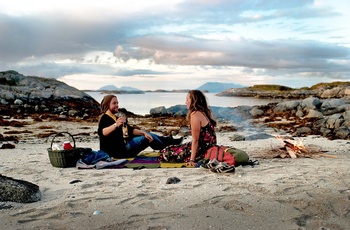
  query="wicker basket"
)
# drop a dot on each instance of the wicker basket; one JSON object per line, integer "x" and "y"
{"x": 64, "y": 158}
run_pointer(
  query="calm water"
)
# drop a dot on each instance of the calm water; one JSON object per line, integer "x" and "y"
{"x": 142, "y": 103}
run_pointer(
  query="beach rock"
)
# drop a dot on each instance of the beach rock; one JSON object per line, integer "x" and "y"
{"x": 299, "y": 113}
{"x": 342, "y": 133}
{"x": 235, "y": 114}
{"x": 19, "y": 191}
{"x": 159, "y": 111}
{"x": 7, "y": 145}
{"x": 256, "y": 112}
{"x": 258, "y": 136}
{"x": 173, "y": 180}
{"x": 335, "y": 90}
{"x": 312, "y": 116}
{"x": 308, "y": 116}
{"x": 23, "y": 96}
{"x": 311, "y": 103}
{"x": 302, "y": 132}
{"x": 332, "y": 103}
{"x": 237, "y": 137}
{"x": 177, "y": 110}
{"x": 286, "y": 106}
{"x": 339, "y": 91}
{"x": 346, "y": 115}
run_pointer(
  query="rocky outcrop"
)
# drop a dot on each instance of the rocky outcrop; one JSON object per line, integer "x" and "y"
{"x": 320, "y": 92}
{"x": 27, "y": 95}
{"x": 310, "y": 116}
{"x": 234, "y": 114}
{"x": 19, "y": 191}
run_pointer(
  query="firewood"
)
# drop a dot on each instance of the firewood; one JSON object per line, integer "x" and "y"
{"x": 291, "y": 153}
{"x": 288, "y": 144}
{"x": 326, "y": 155}
{"x": 283, "y": 155}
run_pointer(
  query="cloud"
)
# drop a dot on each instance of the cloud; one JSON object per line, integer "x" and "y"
{"x": 275, "y": 54}
{"x": 73, "y": 31}
{"x": 255, "y": 38}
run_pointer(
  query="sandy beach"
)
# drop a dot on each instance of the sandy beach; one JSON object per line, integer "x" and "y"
{"x": 302, "y": 193}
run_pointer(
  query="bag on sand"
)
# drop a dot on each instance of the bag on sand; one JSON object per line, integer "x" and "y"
{"x": 224, "y": 159}
{"x": 229, "y": 155}
{"x": 91, "y": 157}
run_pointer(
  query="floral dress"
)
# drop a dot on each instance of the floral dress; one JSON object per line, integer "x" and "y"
{"x": 182, "y": 153}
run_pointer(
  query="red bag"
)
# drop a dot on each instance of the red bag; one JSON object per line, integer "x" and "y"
{"x": 230, "y": 155}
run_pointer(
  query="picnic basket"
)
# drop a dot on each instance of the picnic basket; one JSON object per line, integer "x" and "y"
{"x": 64, "y": 158}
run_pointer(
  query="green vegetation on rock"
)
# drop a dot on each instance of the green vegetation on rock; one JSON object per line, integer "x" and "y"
{"x": 270, "y": 88}
{"x": 330, "y": 85}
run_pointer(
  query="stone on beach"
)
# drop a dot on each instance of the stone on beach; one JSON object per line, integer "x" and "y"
{"x": 19, "y": 191}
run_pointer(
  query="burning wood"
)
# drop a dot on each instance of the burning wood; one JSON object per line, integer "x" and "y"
{"x": 294, "y": 150}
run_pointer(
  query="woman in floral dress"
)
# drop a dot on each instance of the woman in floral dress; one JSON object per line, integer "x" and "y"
{"x": 202, "y": 126}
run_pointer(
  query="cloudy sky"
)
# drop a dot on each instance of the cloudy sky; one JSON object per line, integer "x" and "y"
{"x": 178, "y": 44}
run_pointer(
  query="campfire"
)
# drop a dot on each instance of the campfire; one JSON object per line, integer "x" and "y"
{"x": 293, "y": 149}
{"x": 296, "y": 149}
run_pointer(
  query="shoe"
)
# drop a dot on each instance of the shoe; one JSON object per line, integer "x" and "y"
{"x": 177, "y": 141}
{"x": 169, "y": 140}
{"x": 223, "y": 167}
{"x": 173, "y": 141}
{"x": 212, "y": 164}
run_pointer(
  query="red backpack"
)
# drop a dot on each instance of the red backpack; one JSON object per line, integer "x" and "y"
{"x": 230, "y": 155}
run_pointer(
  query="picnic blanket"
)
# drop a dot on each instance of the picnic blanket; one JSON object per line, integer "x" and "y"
{"x": 102, "y": 164}
{"x": 142, "y": 160}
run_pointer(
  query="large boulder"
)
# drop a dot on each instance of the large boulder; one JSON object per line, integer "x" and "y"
{"x": 27, "y": 95}
{"x": 19, "y": 191}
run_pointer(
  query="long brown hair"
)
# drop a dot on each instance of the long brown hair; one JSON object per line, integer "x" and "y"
{"x": 106, "y": 101}
{"x": 199, "y": 103}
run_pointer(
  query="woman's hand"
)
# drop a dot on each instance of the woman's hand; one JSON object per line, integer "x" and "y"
{"x": 191, "y": 163}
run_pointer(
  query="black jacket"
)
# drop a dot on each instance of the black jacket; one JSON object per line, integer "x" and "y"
{"x": 114, "y": 143}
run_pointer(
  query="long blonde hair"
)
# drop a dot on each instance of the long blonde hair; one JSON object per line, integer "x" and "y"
{"x": 199, "y": 103}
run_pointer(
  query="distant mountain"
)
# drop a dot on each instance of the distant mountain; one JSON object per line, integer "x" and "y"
{"x": 108, "y": 87}
{"x": 114, "y": 88}
{"x": 128, "y": 88}
{"x": 216, "y": 87}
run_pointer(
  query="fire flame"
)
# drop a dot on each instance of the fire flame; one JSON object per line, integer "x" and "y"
{"x": 293, "y": 147}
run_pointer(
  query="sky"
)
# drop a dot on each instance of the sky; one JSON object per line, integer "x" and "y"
{"x": 178, "y": 44}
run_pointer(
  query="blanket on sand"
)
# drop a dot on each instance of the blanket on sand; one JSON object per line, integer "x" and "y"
{"x": 143, "y": 160}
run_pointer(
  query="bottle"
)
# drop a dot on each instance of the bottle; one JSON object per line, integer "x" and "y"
{"x": 67, "y": 145}
{"x": 125, "y": 131}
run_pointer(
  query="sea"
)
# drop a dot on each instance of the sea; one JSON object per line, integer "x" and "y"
{"x": 142, "y": 103}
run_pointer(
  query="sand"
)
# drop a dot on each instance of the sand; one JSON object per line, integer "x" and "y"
{"x": 302, "y": 193}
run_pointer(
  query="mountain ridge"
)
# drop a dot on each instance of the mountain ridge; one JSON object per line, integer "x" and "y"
{"x": 211, "y": 87}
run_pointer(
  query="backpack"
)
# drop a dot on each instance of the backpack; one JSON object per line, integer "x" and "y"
{"x": 229, "y": 155}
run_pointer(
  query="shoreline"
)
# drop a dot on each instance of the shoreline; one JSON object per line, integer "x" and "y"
{"x": 158, "y": 99}
{"x": 302, "y": 193}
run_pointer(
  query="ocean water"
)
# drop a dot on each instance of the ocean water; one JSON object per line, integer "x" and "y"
{"x": 142, "y": 103}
